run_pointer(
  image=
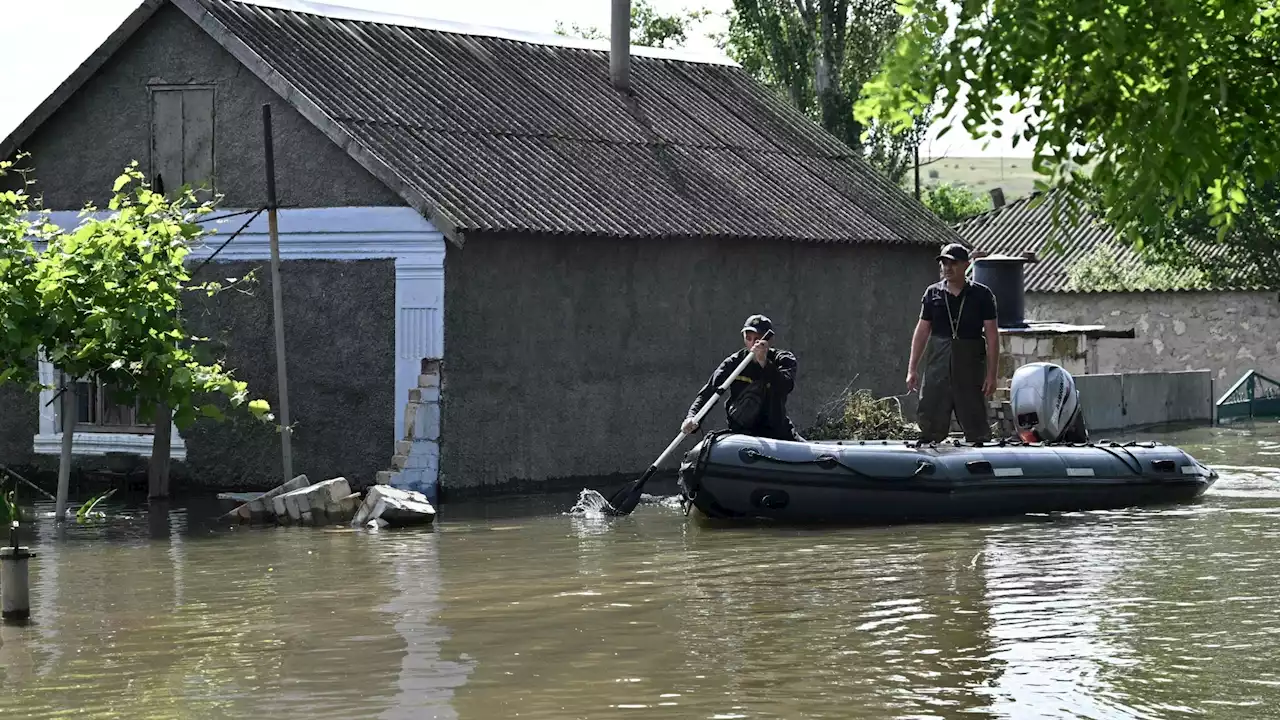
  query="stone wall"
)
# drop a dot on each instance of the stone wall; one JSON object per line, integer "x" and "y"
{"x": 1071, "y": 351}
{"x": 1225, "y": 333}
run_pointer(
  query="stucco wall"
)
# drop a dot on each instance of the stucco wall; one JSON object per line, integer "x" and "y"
{"x": 339, "y": 335}
{"x": 1226, "y": 333}
{"x": 84, "y": 146}
{"x": 569, "y": 358}
{"x": 19, "y": 422}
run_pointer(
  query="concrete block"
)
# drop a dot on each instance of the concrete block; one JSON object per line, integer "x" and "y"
{"x": 385, "y": 477}
{"x": 307, "y": 505}
{"x": 342, "y": 510}
{"x": 395, "y": 506}
{"x": 428, "y": 380}
{"x": 262, "y": 507}
{"x": 426, "y": 454}
{"x": 399, "y": 461}
{"x": 425, "y": 423}
{"x": 415, "y": 395}
{"x": 403, "y": 447}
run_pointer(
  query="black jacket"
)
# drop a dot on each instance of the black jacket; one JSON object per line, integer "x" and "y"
{"x": 779, "y": 378}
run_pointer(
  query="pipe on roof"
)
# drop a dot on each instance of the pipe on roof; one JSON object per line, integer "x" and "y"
{"x": 620, "y": 45}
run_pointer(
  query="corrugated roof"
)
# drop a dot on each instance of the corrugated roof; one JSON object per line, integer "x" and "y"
{"x": 1018, "y": 227}
{"x": 493, "y": 132}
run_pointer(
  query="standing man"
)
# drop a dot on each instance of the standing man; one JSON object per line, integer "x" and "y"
{"x": 960, "y": 364}
{"x": 757, "y": 402}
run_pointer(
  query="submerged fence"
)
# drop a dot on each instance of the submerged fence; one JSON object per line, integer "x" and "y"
{"x": 1123, "y": 401}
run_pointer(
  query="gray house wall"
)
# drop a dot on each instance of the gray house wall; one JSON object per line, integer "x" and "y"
{"x": 340, "y": 326}
{"x": 82, "y": 148}
{"x": 340, "y": 330}
{"x": 575, "y": 358}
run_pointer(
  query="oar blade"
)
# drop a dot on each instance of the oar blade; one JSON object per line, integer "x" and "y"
{"x": 626, "y": 499}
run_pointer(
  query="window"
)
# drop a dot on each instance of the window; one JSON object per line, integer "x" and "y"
{"x": 99, "y": 411}
{"x": 182, "y": 136}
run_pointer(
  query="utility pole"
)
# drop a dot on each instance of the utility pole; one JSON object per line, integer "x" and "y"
{"x": 277, "y": 297}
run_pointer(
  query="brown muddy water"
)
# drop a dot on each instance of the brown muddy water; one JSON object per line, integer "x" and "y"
{"x": 517, "y": 610}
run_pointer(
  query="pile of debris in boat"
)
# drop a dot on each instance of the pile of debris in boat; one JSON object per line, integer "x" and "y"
{"x": 331, "y": 502}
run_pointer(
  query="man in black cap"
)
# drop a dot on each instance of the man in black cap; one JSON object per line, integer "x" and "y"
{"x": 757, "y": 402}
{"x": 958, "y": 323}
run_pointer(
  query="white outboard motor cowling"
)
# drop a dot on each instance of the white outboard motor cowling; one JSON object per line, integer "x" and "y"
{"x": 1046, "y": 404}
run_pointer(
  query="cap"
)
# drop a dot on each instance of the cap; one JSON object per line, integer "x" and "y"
{"x": 955, "y": 252}
{"x": 758, "y": 323}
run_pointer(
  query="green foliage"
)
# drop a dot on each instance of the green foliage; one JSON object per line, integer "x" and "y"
{"x": 105, "y": 299}
{"x": 1107, "y": 269}
{"x": 858, "y": 415}
{"x": 86, "y": 510}
{"x": 820, "y": 56}
{"x": 20, "y": 320}
{"x": 649, "y": 28}
{"x": 953, "y": 203}
{"x": 1249, "y": 255}
{"x": 1172, "y": 103}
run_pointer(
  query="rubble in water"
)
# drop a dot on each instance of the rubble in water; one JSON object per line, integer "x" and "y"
{"x": 332, "y": 502}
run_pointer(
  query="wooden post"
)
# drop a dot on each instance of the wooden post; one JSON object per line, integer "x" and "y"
{"x": 277, "y": 297}
{"x": 158, "y": 469}
{"x": 69, "y": 414}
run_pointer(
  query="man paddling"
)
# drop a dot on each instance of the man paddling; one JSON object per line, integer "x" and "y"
{"x": 757, "y": 402}
{"x": 958, "y": 323}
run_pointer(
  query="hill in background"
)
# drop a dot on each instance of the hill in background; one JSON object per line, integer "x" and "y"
{"x": 980, "y": 174}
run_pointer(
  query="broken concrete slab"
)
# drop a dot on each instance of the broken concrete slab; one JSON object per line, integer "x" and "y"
{"x": 309, "y": 505}
{"x": 262, "y": 508}
{"x": 395, "y": 506}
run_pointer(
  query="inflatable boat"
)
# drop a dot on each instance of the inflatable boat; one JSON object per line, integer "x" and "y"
{"x": 729, "y": 476}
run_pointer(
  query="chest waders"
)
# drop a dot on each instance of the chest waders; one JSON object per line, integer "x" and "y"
{"x": 954, "y": 369}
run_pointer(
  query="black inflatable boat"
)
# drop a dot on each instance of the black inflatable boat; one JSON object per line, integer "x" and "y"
{"x": 729, "y": 476}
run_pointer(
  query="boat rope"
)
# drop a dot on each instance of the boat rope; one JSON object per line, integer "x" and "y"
{"x": 1131, "y": 468}
{"x": 828, "y": 461}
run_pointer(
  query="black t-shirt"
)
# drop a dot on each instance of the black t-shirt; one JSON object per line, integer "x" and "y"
{"x": 974, "y": 305}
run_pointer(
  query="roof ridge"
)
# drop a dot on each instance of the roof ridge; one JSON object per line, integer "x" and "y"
{"x": 456, "y": 27}
{"x": 765, "y": 150}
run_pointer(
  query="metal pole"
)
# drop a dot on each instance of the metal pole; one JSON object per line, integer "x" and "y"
{"x": 277, "y": 297}
{"x": 917, "y": 152}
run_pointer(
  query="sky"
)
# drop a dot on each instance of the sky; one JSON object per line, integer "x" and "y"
{"x": 45, "y": 40}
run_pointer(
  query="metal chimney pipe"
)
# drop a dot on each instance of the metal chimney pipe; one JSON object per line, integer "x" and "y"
{"x": 997, "y": 197}
{"x": 620, "y": 45}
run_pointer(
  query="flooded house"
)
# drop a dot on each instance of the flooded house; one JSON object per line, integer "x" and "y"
{"x": 508, "y": 259}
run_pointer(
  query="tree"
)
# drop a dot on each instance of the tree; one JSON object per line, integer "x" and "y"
{"x": 19, "y": 316}
{"x": 648, "y": 27}
{"x": 820, "y": 56}
{"x": 104, "y": 301}
{"x": 1249, "y": 256}
{"x": 1172, "y": 103}
{"x": 953, "y": 203}
{"x": 1104, "y": 269}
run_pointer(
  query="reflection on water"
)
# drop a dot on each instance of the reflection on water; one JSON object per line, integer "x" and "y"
{"x": 521, "y": 609}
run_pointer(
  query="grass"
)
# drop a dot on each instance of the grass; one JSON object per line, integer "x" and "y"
{"x": 1013, "y": 175}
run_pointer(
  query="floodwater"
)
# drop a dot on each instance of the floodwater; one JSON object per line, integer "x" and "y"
{"x": 517, "y": 610}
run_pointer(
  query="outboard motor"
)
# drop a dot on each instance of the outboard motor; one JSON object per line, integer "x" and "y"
{"x": 1046, "y": 404}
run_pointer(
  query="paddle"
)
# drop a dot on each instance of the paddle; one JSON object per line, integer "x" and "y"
{"x": 626, "y": 499}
